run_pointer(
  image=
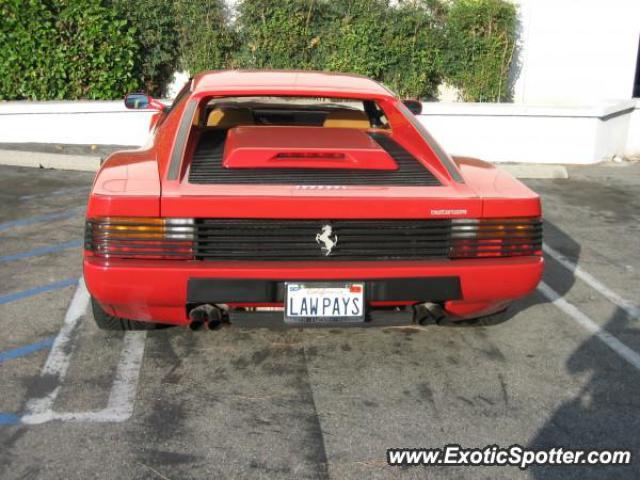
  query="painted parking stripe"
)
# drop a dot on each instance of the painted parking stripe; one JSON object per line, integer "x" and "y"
{"x": 63, "y": 215}
{"x": 123, "y": 392}
{"x": 623, "y": 303}
{"x": 121, "y": 399}
{"x": 589, "y": 325}
{"x": 36, "y": 252}
{"x": 12, "y": 297}
{"x": 59, "y": 357}
{"x": 9, "y": 418}
{"x": 26, "y": 349}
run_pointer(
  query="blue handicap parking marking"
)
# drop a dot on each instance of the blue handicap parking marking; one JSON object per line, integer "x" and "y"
{"x": 12, "y": 418}
{"x": 12, "y": 297}
{"x": 63, "y": 215}
{"x": 41, "y": 251}
{"x": 26, "y": 349}
{"x": 9, "y": 418}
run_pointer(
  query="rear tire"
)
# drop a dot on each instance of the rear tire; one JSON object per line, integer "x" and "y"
{"x": 109, "y": 322}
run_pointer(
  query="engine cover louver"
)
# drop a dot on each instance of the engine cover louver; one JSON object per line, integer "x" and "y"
{"x": 206, "y": 168}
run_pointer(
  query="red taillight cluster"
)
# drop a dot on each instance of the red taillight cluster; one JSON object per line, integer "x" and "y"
{"x": 140, "y": 237}
{"x": 499, "y": 237}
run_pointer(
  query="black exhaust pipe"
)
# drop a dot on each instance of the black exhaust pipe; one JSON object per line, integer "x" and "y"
{"x": 428, "y": 313}
{"x": 215, "y": 316}
{"x": 206, "y": 315}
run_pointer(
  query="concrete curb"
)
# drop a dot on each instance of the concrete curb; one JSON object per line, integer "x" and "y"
{"x": 49, "y": 160}
{"x": 91, "y": 163}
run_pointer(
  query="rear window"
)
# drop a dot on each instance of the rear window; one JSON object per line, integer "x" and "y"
{"x": 290, "y": 101}
{"x": 226, "y": 112}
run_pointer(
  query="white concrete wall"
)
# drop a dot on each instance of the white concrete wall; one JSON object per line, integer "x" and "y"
{"x": 82, "y": 122}
{"x": 494, "y": 132}
{"x": 576, "y": 51}
{"x": 526, "y": 134}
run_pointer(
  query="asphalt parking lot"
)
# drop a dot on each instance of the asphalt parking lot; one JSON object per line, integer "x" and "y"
{"x": 77, "y": 402}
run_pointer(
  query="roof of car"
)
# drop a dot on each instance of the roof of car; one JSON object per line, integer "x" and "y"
{"x": 289, "y": 81}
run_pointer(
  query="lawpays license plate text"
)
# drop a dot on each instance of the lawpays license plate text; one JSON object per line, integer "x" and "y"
{"x": 325, "y": 301}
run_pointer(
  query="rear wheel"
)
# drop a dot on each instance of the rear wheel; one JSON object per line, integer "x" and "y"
{"x": 109, "y": 322}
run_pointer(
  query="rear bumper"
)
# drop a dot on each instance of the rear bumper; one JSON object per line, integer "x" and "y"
{"x": 160, "y": 291}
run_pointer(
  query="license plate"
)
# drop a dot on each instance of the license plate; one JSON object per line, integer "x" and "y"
{"x": 320, "y": 302}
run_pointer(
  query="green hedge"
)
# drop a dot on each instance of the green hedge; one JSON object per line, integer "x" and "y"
{"x": 154, "y": 24}
{"x": 57, "y": 49}
{"x": 480, "y": 38}
{"x": 400, "y": 46}
{"x": 70, "y": 49}
{"x": 415, "y": 38}
{"x": 277, "y": 34}
{"x": 411, "y": 47}
{"x": 67, "y": 49}
{"x": 204, "y": 36}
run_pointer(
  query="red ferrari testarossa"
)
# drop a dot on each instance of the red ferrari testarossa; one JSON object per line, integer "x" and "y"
{"x": 271, "y": 198}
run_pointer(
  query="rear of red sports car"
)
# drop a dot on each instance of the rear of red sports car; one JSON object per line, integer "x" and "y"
{"x": 290, "y": 198}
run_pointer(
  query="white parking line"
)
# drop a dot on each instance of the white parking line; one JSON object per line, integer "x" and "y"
{"x": 122, "y": 397}
{"x": 59, "y": 357}
{"x": 592, "y": 327}
{"x": 586, "y": 277}
{"x": 123, "y": 392}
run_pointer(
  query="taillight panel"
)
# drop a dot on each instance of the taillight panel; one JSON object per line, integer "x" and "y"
{"x": 140, "y": 237}
{"x": 476, "y": 238}
{"x": 244, "y": 239}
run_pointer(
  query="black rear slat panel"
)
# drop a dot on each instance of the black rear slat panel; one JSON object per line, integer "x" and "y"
{"x": 282, "y": 240}
{"x": 206, "y": 168}
{"x": 261, "y": 239}
{"x": 258, "y": 239}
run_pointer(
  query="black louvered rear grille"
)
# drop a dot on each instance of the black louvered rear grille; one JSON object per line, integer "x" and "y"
{"x": 240, "y": 239}
{"x": 206, "y": 168}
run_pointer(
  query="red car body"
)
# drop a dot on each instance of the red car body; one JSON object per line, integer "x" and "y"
{"x": 481, "y": 228}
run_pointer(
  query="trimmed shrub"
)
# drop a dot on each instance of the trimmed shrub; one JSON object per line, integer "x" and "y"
{"x": 205, "y": 38}
{"x": 69, "y": 49}
{"x": 98, "y": 50}
{"x": 400, "y": 46}
{"x": 415, "y": 43}
{"x": 281, "y": 34}
{"x": 26, "y": 66}
{"x": 62, "y": 49}
{"x": 480, "y": 38}
{"x": 155, "y": 25}
{"x": 354, "y": 38}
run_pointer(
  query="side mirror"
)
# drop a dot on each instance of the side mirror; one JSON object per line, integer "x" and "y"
{"x": 415, "y": 106}
{"x": 141, "y": 101}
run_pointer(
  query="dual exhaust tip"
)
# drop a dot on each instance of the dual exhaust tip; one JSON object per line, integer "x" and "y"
{"x": 206, "y": 316}
{"x": 212, "y": 317}
{"x": 428, "y": 313}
